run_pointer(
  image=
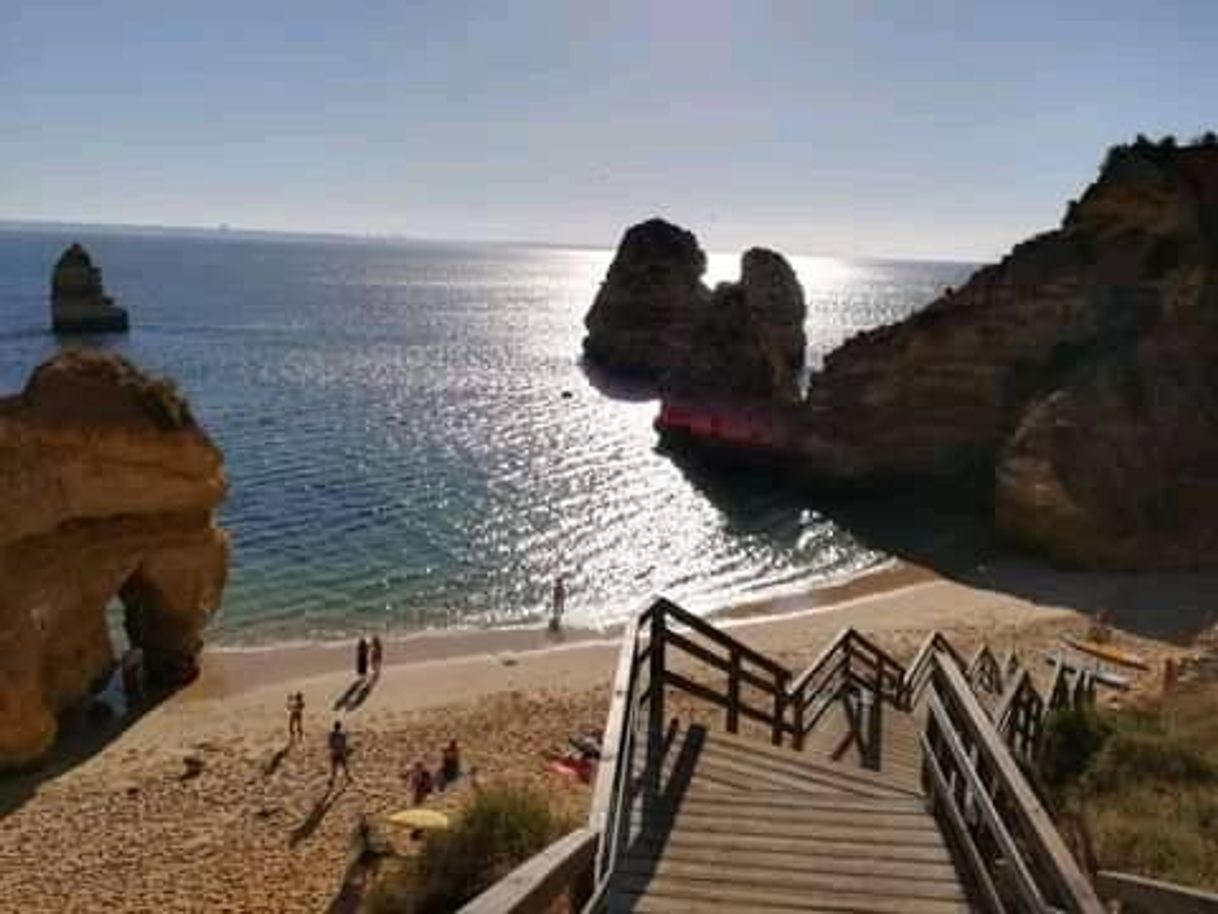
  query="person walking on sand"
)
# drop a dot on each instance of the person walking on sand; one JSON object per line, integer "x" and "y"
{"x": 361, "y": 658}
{"x": 296, "y": 706}
{"x": 557, "y": 604}
{"x": 338, "y": 752}
{"x": 377, "y": 655}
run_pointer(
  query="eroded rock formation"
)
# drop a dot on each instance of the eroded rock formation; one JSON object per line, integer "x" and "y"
{"x": 79, "y": 303}
{"x": 1077, "y": 379}
{"x": 642, "y": 319}
{"x": 654, "y": 319}
{"x": 109, "y": 489}
{"x": 749, "y": 341}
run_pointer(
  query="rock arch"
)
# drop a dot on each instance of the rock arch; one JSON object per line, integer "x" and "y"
{"x": 109, "y": 488}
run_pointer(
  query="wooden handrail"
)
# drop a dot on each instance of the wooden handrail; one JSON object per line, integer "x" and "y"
{"x": 720, "y": 637}
{"x": 532, "y": 887}
{"x": 983, "y": 772}
{"x": 1154, "y": 896}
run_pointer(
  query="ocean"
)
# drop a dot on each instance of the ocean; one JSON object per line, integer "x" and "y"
{"x": 412, "y": 442}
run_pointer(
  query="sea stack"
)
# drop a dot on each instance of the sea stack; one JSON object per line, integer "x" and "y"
{"x": 641, "y": 323}
{"x": 109, "y": 491}
{"x": 79, "y": 303}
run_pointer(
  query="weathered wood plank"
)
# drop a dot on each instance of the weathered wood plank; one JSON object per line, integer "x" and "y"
{"x": 727, "y": 871}
{"x": 800, "y": 860}
{"x": 759, "y": 898}
{"x": 834, "y": 847}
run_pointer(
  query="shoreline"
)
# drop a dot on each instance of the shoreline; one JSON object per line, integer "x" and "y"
{"x": 232, "y": 669}
{"x": 200, "y": 803}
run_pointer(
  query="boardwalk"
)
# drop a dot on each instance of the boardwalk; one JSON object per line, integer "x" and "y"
{"x": 739, "y": 825}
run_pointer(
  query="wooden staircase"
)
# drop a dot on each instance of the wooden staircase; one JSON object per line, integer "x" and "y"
{"x": 859, "y": 785}
{"x": 742, "y": 826}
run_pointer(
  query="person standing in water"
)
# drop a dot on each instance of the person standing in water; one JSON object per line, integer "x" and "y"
{"x": 558, "y": 604}
{"x": 377, "y": 655}
{"x": 361, "y": 658}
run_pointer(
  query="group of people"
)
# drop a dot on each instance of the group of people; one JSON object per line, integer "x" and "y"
{"x": 422, "y": 783}
{"x": 369, "y": 653}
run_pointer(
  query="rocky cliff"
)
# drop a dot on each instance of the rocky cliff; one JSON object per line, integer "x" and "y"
{"x": 109, "y": 490}
{"x": 1080, "y": 374}
{"x": 654, "y": 319}
{"x": 79, "y": 303}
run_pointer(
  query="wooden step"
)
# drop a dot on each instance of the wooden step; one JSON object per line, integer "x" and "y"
{"x": 733, "y": 842}
{"x": 798, "y": 857}
{"x": 666, "y": 894}
{"x": 790, "y": 877}
{"x": 927, "y": 836}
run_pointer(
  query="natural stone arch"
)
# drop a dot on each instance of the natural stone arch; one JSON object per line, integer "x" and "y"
{"x": 109, "y": 488}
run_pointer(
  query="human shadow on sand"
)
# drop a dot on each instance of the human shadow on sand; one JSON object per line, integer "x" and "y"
{"x": 80, "y": 737}
{"x": 325, "y": 802}
{"x": 948, "y": 530}
{"x": 357, "y": 693}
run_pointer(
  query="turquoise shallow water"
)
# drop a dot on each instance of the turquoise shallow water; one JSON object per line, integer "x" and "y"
{"x": 400, "y": 448}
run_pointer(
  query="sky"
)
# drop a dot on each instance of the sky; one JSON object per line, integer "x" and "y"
{"x": 908, "y": 128}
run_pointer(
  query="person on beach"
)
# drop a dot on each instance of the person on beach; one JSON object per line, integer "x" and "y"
{"x": 361, "y": 658}
{"x": 419, "y": 781}
{"x": 338, "y": 752}
{"x": 377, "y": 655}
{"x": 557, "y": 604}
{"x": 296, "y": 704}
{"x": 450, "y": 765}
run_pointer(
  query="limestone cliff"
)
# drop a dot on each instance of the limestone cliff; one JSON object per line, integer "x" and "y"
{"x": 79, "y": 303}
{"x": 109, "y": 489}
{"x": 1077, "y": 378}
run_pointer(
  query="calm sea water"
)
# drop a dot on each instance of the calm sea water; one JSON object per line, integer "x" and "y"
{"x": 410, "y": 438}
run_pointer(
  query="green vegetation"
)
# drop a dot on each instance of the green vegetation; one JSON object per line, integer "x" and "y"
{"x": 1146, "y": 149}
{"x": 499, "y": 829}
{"x": 1142, "y": 784}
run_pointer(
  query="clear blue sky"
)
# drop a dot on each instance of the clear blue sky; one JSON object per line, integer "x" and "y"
{"x": 910, "y": 127}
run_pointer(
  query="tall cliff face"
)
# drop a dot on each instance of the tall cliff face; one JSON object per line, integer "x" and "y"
{"x": 1079, "y": 371}
{"x": 109, "y": 490}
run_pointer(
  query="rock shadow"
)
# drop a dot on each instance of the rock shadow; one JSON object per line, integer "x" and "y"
{"x": 79, "y": 739}
{"x": 947, "y": 528}
{"x": 616, "y": 387}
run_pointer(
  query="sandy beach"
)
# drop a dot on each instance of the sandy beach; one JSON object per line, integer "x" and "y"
{"x": 126, "y": 827}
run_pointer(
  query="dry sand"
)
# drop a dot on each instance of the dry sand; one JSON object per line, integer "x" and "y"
{"x": 123, "y": 829}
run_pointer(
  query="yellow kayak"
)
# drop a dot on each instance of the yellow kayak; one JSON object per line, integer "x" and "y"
{"x": 421, "y": 819}
{"x": 1109, "y": 652}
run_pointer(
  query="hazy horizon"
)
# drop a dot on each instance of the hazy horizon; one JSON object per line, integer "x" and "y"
{"x": 828, "y": 128}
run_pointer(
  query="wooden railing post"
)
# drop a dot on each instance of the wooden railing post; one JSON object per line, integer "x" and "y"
{"x": 733, "y": 692}
{"x": 797, "y": 700}
{"x": 780, "y": 708}
{"x": 655, "y": 708}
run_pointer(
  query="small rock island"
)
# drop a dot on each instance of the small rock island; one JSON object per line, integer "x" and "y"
{"x": 79, "y": 303}
{"x": 654, "y": 319}
{"x": 109, "y": 490}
